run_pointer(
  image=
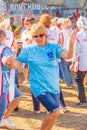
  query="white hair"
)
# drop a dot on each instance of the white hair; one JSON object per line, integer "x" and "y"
{"x": 82, "y": 22}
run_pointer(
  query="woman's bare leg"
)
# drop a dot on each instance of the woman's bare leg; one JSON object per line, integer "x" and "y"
{"x": 11, "y": 108}
{"x": 49, "y": 120}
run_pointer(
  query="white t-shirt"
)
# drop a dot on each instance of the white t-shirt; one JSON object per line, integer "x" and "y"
{"x": 52, "y": 36}
{"x": 25, "y": 36}
{"x": 81, "y": 50}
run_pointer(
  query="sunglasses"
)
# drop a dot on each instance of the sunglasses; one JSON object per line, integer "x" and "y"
{"x": 36, "y": 36}
{"x": 27, "y": 24}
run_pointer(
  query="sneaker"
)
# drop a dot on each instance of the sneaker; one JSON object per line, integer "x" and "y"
{"x": 80, "y": 104}
{"x": 1, "y": 124}
{"x": 8, "y": 123}
{"x": 37, "y": 112}
{"x": 26, "y": 82}
{"x": 69, "y": 87}
{"x": 65, "y": 110}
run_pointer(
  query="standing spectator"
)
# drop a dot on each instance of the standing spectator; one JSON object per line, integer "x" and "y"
{"x": 64, "y": 40}
{"x": 13, "y": 27}
{"x": 19, "y": 29}
{"x": 80, "y": 57}
{"x": 54, "y": 24}
{"x": 46, "y": 19}
{"x": 26, "y": 40}
{"x": 17, "y": 33}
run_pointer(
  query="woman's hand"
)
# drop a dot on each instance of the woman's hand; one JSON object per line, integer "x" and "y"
{"x": 7, "y": 60}
{"x": 12, "y": 63}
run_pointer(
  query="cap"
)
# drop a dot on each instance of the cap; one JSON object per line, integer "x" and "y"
{"x": 60, "y": 20}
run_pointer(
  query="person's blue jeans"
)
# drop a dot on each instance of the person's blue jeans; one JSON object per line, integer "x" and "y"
{"x": 61, "y": 75}
{"x": 62, "y": 99}
{"x": 65, "y": 67}
{"x": 79, "y": 78}
{"x": 3, "y": 105}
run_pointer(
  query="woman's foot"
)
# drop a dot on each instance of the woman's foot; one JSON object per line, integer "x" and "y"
{"x": 65, "y": 110}
{"x": 37, "y": 111}
{"x": 69, "y": 87}
{"x": 7, "y": 123}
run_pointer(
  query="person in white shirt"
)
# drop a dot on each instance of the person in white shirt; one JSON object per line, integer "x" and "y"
{"x": 54, "y": 26}
{"x": 80, "y": 60}
{"x": 26, "y": 40}
{"x": 64, "y": 42}
{"x": 52, "y": 35}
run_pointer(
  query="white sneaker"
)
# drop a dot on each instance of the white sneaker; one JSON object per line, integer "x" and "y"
{"x": 8, "y": 123}
{"x": 1, "y": 124}
{"x": 37, "y": 112}
{"x": 26, "y": 82}
{"x": 65, "y": 110}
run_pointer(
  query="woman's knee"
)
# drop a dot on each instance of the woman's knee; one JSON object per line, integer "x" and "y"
{"x": 55, "y": 113}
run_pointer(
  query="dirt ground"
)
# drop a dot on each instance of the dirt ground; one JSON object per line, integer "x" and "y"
{"x": 26, "y": 119}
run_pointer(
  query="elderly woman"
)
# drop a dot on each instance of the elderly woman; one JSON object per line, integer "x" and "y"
{"x": 9, "y": 43}
{"x": 80, "y": 60}
{"x": 8, "y": 89}
{"x": 42, "y": 59}
{"x": 64, "y": 40}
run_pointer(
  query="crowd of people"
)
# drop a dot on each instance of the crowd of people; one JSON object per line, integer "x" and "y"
{"x": 45, "y": 51}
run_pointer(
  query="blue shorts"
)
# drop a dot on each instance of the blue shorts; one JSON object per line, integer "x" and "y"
{"x": 49, "y": 101}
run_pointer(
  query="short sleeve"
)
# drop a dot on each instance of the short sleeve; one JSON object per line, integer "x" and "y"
{"x": 23, "y": 56}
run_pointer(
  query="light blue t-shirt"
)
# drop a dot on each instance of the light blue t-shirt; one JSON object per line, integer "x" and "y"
{"x": 43, "y": 65}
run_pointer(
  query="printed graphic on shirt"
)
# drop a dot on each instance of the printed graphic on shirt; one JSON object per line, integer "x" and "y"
{"x": 50, "y": 56}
